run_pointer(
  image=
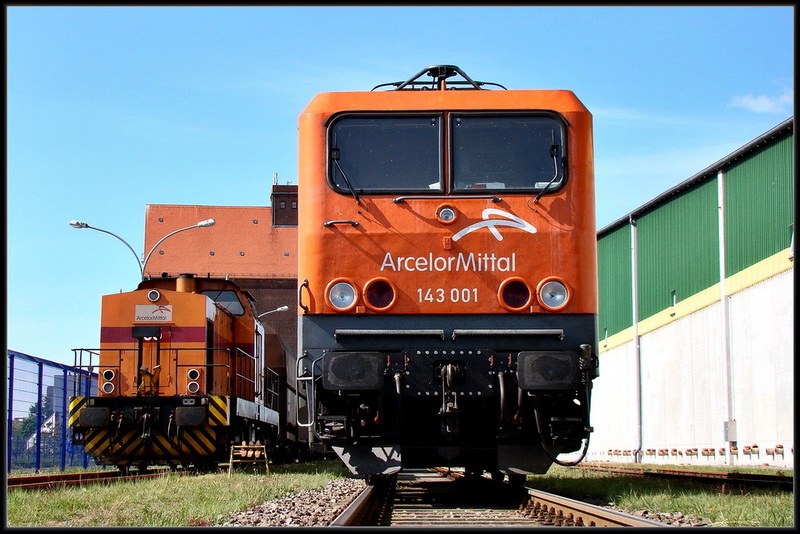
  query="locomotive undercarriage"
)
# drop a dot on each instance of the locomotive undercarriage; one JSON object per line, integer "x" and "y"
{"x": 175, "y": 431}
{"x": 510, "y": 410}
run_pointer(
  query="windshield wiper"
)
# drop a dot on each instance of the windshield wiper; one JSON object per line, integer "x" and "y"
{"x": 554, "y": 155}
{"x": 335, "y": 158}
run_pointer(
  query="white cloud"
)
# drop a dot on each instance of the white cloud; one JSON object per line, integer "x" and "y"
{"x": 765, "y": 104}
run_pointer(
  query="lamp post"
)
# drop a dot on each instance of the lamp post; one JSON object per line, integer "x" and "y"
{"x": 282, "y": 308}
{"x": 142, "y": 264}
{"x": 79, "y": 224}
{"x": 201, "y": 224}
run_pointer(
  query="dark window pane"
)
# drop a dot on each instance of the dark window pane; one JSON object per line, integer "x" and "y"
{"x": 385, "y": 153}
{"x": 226, "y": 299}
{"x": 518, "y": 152}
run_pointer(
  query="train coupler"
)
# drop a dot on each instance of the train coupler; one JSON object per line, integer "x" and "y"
{"x": 567, "y": 428}
{"x": 450, "y": 374}
{"x": 333, "y": 427}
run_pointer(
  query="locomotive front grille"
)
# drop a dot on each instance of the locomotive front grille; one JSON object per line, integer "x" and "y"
{"x": 353, "y": 371}
{"x": 548, "y": 370}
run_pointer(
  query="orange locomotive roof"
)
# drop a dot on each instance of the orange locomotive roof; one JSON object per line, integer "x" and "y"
{"x": 558, "y": 100}
{"x": 243, "y": 242}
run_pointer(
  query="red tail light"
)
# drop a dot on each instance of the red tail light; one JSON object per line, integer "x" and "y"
{"x": 515, "y": 294}
{"x": 380, "y": 294}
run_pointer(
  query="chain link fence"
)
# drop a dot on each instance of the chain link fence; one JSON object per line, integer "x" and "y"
{"x": 38, "y": 436}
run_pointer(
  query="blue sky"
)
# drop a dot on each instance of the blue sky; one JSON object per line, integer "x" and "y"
{"x": 113, "y": 108}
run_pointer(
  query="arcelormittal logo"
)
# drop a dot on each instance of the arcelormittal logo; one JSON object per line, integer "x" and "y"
{"x": 510, "y": 220}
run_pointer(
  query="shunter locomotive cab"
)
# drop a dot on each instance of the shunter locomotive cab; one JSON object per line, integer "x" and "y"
{"x": 448, "y": 276}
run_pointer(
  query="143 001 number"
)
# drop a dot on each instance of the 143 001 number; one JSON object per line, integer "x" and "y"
{"x": 447, "y": 295}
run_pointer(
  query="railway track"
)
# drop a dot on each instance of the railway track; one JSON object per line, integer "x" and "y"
{"x": 736, "y": 478}
{"x": 37, "y": 482}
{"x": 424, "y": 498}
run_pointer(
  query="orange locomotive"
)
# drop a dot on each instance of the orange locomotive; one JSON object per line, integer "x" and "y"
{"x": 181, "y": 376}
{"x": 447, "y": 277}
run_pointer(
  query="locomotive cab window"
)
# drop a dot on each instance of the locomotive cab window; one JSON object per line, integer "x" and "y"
{"x": 371, "y": 154}
{"x": 512, "y": 152}
{"x": 226, "y": 299}
{"x": 506, "y": 152}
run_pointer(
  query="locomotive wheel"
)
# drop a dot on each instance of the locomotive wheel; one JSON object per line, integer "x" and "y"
{"x": 515, "y": 479}
{"x": 374, "y": 480}
{"x": 473, "y": 473}
{"x": 206, "y": 466}
{"x": 497, "y": 475}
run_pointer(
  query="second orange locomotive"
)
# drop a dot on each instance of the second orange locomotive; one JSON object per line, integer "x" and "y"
{"x": 448, "y": 287}
{"x": 184, "y": 372}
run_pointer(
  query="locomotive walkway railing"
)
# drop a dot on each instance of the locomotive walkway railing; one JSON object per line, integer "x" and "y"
{"x": 237, "y": 373}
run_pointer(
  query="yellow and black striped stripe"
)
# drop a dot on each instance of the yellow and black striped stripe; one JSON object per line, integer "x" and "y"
{"x": 120, "y": 448}
{"x": 218, "y": 411}
{"x": 75, "y": 405}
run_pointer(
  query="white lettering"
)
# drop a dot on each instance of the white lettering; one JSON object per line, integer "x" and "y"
{"x": 153, "y": 312}
{"x": 480, "y": 262}
{"x": 387, "y": 262}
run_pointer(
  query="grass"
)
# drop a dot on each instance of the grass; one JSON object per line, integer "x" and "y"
{"x": 733, "y": 508}
{"x": 179, "y": 501}
{"x": 171, "y": 500}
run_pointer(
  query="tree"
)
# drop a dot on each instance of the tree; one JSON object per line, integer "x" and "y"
{"x": 27, "y": 426}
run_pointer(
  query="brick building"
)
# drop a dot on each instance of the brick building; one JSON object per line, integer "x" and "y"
{"x": 255, "y": 246}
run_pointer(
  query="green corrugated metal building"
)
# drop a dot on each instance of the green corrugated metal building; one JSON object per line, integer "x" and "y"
{"x": 678, "y": 233}
{"x": 695, "y": 323}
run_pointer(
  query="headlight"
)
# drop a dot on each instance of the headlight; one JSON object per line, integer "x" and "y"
{"x": 553, "y": 294}
{"x": 446, "y": 214}
{"x": 108, "y": 384}
{"x": 342, "y": 295}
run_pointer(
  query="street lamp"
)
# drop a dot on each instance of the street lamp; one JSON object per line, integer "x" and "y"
{"x": 282, "y": 308}
{"x": 79, "y": 224}
{"x": 202, "y": 224}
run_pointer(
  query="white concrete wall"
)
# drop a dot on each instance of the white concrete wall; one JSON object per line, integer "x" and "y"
{"x": 684, "y": 385}
{"x": 614, "y": 412}
{"x": 762, "y": 346}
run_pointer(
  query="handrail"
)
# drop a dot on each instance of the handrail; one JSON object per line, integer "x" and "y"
{"x": 271, "y": 388}
{"x": 171, "y": 355}
{"x": 165, "y": 355}
{"x": 300, "y": 295}
{"x": 299, "y": 376}
{"x": 493, "y": 198}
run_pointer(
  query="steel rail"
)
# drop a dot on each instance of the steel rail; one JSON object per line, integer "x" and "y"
{"x": 74, "y": 479}
{"x": 562, "y": 511}
{"x": 357, "y": 509}
{"x": 541, "y": 508}
{"x": 783, "y": 482}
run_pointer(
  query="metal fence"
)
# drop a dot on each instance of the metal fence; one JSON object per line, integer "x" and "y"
{"x": 38, "y": 393}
